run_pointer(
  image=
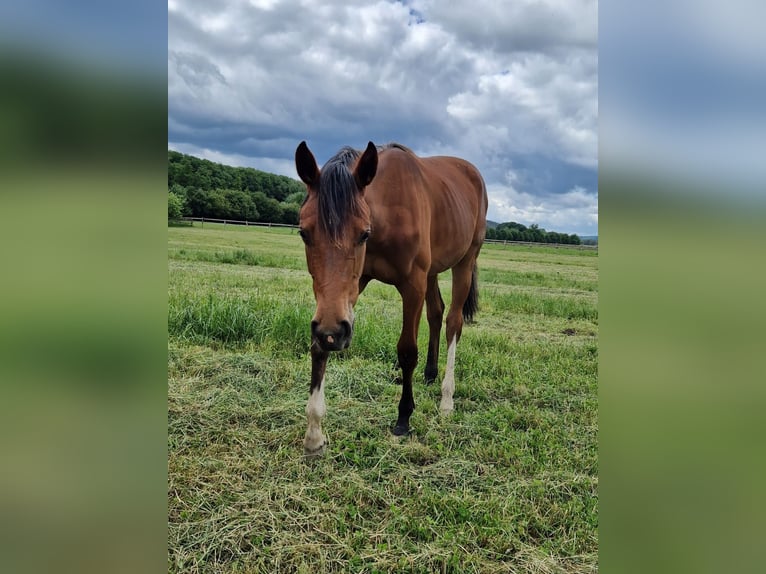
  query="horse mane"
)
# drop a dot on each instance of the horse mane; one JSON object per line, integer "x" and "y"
{"x": 395, "y": 145}
{"x": 337, "y": 192}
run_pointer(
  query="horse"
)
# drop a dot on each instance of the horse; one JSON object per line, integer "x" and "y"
{"x": 389, "y": 215}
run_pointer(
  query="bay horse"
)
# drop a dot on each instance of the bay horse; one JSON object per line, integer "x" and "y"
{"x": 389, "y": 215}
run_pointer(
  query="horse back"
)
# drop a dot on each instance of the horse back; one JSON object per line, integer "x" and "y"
{"x": 427, "y": 212}
{"x": 458, "y": 200}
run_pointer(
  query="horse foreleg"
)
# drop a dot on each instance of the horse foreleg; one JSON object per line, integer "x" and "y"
{"x": 314, "y": 442}
{"x": 407, "y": 350}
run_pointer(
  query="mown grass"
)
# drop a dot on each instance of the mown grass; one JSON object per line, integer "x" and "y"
{"x": 508, "y": 483}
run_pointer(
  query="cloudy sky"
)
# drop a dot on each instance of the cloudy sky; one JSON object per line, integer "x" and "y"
{"x": 510, "y": 86}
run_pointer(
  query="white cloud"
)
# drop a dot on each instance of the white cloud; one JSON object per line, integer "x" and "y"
{"x": 522, "y": 25}
{"x": 545, "y": 105}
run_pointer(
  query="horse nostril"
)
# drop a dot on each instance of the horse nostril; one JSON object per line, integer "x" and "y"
{"x": 314, "y": 325}
{"x": 345, "y": 329}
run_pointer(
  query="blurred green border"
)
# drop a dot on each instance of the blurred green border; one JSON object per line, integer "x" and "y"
{"x": 83, "y": 304}
{"x": 681, "y": 377}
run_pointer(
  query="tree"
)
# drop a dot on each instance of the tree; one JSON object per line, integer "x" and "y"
{"x": 296, "y": 197}
{"x": 290, "y": 212}
{"x": 269, "y": 209}
{"x": 241, "y": 205}
{"x": 176, "y": 206}
{"x": 179, "y": 190}
{"x": 217, "y": 205}
{"x": 196, "y": 200}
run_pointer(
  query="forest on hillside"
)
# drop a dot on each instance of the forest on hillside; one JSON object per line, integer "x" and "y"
{"x": 202, "y": 188}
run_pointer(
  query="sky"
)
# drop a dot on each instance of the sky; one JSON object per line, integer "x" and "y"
{"x": 510, "y": 86}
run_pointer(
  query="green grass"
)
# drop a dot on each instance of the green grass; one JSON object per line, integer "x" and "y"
{"x": 508, "y": 483}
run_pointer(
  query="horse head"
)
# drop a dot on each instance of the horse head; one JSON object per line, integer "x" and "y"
{"x": 335, "y": 225}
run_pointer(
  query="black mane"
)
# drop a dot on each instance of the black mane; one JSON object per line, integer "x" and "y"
{"x": 337, "y": 192}
{"x": 394, "y": 145}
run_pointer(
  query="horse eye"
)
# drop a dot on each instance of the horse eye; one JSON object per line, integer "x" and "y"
{"x": 304, "y": 235}
{"x": 365, "y": 236}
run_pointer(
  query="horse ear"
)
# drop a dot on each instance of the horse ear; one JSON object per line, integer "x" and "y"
{"x": 306, "y": 164}
{"x": 366, "y": 166}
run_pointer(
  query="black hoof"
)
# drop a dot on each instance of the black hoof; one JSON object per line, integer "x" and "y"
{"x": 430, "y": 376}
{"x": 401, "y": 430}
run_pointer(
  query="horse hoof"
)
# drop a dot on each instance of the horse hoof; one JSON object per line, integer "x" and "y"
{"x": 401, "y": 430}
{"x": 315, "y": 450}
{"x": 446, "y": 407}
{"x": 319, "y": 451}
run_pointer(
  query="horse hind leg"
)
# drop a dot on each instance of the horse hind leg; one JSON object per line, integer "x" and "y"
{"x": 413, "y": 296}
{"x": 435, "y": 314}
{"x": 463, "y": 285}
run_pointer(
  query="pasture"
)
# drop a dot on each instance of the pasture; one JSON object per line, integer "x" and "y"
{"x": 507, "y": 483}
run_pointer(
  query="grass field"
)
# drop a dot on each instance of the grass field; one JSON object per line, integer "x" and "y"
{"x": 508, "y": 483}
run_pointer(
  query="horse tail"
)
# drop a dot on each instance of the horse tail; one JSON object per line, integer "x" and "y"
{"x": 471, "y": 305}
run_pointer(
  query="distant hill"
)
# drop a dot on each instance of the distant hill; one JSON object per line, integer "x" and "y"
{"x": 192, "y": 172}
{"x": 492, "y": 224}
{"x": 202, "y": 188}
{"x": 589, "y": 239}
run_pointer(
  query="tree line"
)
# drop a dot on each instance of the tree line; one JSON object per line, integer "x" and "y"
{"x": 202, "y": 188}
{"x": 512, "y": 231}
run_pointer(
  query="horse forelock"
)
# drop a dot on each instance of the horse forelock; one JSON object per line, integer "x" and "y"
{"x": 337, "y": 197}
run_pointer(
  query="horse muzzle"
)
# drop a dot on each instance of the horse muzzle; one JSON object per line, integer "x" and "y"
{"x": 335, "y": 338}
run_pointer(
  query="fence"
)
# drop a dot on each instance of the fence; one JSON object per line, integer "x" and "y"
{"x": 495, "y": 241}
{"x": 237, "y": 222}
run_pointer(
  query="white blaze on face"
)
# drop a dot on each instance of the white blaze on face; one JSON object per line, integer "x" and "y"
{"x": 315, "y": 411}
{"x": 448, "y": 385}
